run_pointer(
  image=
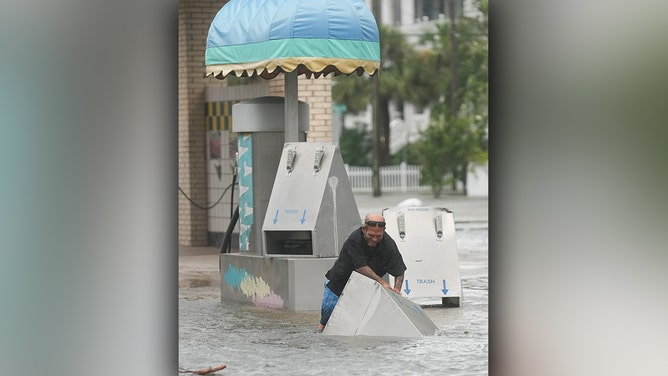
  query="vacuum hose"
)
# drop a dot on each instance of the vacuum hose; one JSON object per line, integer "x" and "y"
{"x": 227, "y": 240}
{"x": 226, "y": 245}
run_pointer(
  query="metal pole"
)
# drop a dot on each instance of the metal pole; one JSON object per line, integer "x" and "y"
{"x": 375, "y": 165}
{"x": 291, "y": 109}
{"x": 454, "y": 102}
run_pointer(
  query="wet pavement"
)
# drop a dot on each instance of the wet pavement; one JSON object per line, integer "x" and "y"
{"x": 252, "y": 340}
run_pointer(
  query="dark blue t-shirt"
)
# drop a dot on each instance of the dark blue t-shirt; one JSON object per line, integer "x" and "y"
{"x": 355, "y": 253}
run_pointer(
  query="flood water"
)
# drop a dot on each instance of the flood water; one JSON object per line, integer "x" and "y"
{"x": 260, "y": 341}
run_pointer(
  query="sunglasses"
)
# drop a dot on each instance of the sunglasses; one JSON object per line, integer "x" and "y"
{"x": 375, "y": 223}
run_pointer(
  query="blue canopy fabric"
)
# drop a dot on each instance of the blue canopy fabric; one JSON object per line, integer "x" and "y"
{"x": 266, "y": 37}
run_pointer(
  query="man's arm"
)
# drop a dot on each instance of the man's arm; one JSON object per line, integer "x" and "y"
{"x": 367, "y": 271}
{"x": 398, "y": 282}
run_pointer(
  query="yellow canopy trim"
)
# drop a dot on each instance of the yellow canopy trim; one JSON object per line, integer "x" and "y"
{"x": 308, "y": 66}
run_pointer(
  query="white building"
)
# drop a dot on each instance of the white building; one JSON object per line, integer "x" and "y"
{"x": 413, "y": 18}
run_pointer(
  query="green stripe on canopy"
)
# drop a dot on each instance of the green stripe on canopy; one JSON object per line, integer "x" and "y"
{"x": 286, "y": 48}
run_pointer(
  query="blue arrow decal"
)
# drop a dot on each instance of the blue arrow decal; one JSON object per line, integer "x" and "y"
{"x": 407, "y": 290}
{"x": 276, "y": 217}
{"x": 445, "y": 290}
{"x": 303, "y": 217}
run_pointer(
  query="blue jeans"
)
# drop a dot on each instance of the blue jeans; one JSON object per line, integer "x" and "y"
{"x": 329, "y": 300}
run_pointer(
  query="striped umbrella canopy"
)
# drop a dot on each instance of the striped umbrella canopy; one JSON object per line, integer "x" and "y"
{"x": 250, "y": 38}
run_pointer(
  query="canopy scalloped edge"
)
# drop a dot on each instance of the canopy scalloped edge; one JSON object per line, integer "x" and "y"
{"x": 307, "y": 66}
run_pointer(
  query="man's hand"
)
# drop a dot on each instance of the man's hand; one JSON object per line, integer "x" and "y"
{"x": 367, "y": 271}
{"x": 387, "y": 285}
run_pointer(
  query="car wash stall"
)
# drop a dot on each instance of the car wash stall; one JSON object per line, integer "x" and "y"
{"x": 296, "y": 205}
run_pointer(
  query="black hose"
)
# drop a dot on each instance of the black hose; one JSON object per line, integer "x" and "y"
{"x": 234, "y": 182}
{"x": 227, "y": 240}
{"x": 232, "y": 211}
{"x": 226, "y": 245}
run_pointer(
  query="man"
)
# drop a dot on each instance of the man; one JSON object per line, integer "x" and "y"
{"x": 368, "y": 251}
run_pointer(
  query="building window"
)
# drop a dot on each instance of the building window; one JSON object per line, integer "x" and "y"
{"x": 396, "y": 12}
{"x": 435, "y": 9}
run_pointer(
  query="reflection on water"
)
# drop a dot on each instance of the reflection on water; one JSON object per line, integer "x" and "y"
{"x": 258, "y": 341}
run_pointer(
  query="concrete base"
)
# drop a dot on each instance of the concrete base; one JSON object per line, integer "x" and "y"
{"x": 290, "y": 283}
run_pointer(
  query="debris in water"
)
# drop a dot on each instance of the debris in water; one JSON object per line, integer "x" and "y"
{"x": 204, "y": 371}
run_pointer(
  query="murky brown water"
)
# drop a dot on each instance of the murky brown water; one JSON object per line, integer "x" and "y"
{"x": 257, "y": 341}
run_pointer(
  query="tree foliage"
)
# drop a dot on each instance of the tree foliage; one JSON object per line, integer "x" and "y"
{"x": 447, "y": 73}
{"x": 355, "y": 146}
{"x": 445, "y": 150}
{"x": 356, "y": 92}
{"x": 457, "y": 93}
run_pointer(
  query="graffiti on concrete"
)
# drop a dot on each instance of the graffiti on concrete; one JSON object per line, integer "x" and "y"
{"x": 255, "y": 288}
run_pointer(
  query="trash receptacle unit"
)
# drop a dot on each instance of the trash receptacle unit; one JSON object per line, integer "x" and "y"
{"x": 427, "y": 242}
